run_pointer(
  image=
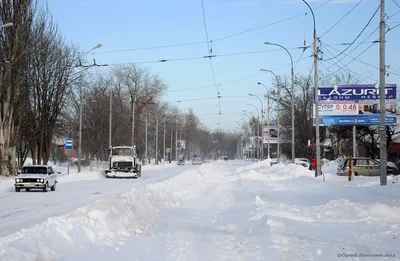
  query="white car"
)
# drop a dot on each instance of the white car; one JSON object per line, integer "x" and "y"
{"x": 40, "y": 177}
{"x": 302, "y": 161}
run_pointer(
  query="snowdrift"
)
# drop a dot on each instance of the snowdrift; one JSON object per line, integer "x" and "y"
{"x": 107, "y": 222}
{"x": 236, "y": 211}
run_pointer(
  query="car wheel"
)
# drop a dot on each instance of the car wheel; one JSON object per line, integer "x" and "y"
{"x": 27, "y": 190}
{"x": 45, "y": 187}
{"x": 17, "y": 189}
{"x": 53, "y": 188}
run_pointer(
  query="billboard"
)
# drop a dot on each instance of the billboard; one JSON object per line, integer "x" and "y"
{"x": 354, "y": 105}
{"x": 271, "y": 134}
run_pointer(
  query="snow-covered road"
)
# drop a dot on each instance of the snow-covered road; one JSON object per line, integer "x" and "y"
{"x": 221, "y": 211}
{"x": 25, "y": 209}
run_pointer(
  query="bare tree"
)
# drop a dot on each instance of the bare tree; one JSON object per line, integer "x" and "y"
{"x": 50, "y": 75}
{"x": 15, "y": 43}
{"x": 137, "y": 86}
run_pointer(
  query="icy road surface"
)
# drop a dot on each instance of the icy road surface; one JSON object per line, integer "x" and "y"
{"x": 223, "y": 211}
{"x": 25, "y": 209}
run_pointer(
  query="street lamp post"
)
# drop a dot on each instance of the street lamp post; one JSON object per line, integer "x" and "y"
{"x": 268, "y": 118}
{"x": 80, "y": 108}
{"x": 292, "y": 73}
{"x": 317, "y": 137}
{"x": 262, "y": 121}
{"x": 279, "y": 103}
{"x": 164, "y": 143}
{"x": 258, "y": 131}
{"x": 255, "y": 133}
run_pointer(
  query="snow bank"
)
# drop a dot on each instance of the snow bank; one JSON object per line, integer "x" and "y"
{"x": 109, "y": 221}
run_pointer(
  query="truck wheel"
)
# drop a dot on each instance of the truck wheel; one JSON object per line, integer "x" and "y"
{"x": 53, "y": 188}
{"x": 17, "y": 189}
{"x": 45, "y": 187}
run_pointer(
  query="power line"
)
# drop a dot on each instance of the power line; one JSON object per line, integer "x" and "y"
{"x": 365, "y": 27}
{"x": 365, "y": 63}
{"x": 395, "y": 2}
{"x": 150, "y": 47}
{"x": 210, "y": 56}
{"x": 351, "y": 60}
{"x": 267, "y": 25}
{"x": 205, "y": 25}
{"x": 373, "y": 42}
{"x": 354, "y": 7}
{"x": 207, "y": 98}
{"x": 198, "y": 57}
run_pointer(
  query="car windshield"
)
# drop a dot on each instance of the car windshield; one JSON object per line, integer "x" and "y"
{"x": 123, "y": 152}
{"x": 34, "y": 170}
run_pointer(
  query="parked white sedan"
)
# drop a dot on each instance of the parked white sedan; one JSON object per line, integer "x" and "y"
{"x": 36, "y": 177}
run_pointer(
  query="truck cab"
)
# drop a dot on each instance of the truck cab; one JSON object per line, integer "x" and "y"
{"x": 123, "y": 162}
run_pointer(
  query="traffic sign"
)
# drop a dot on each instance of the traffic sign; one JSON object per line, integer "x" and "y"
{"x": 69, "y": 144}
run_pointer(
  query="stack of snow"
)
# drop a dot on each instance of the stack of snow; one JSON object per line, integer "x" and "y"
{"x": 108, "y": 221}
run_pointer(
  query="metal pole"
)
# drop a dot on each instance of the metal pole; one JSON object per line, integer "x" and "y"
{"x": 354, "y": 142}
{"x": 268, "y": 111}
{"x": 145, "y": 143}
{"x": 262, "y": 134}
{"x": 293, "y": 141}
{"x": 278, "y": 153}
{"x": 172, "y": 133}
{"x": 110, "y": 124}
{"x": 80, "y": 122}
{"x": 67, "y": 162}
{"x": 258, "y": 136}
{"x": 176, "y": 142}
{"x": 317, "y": 138}
{"x": 164, "y": 143}
{"x": 156, "y": 139}
{"x": 382, "y": 92}
{"x": 180, "y": 142}
{"x": 133, "y": 122}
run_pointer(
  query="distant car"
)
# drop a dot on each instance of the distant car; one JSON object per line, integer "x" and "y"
{"x": 36, "y": 177}
{"x": 197, "y": 161}
{"x": 181, "y": 162}
{"x": 282, "y": 160}
{"x": 302, "y": 161}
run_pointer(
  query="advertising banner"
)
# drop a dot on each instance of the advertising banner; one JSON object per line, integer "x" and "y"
{"x": 354, "y": 105}
{"x": 271, "y": 134}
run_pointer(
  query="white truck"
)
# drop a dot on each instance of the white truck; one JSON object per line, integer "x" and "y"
{"x": 123, "y": 163}
{"x": 36, "y": 177}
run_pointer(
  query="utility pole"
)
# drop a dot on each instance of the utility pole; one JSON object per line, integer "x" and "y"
{"x": 133, "y": 120}
{"x": 172, "y": 133}
{"x": 262, "y": 134}
{"x": 164, "y": 143}
{"x": 268, "y": 111}
{"x": 258, "y": 137}
{"x": 80, "y": 122}
{"x": 176, "y": 142}
{"x": 317, "y": 138}
{"x": 278, "y": 152}
{"x": 156, "y": 138}
{"x": 110, "y": 124}
{"x": 354, "y": 142}
{"x": 145, "y": 143}
{"x": 382, "y": 94}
